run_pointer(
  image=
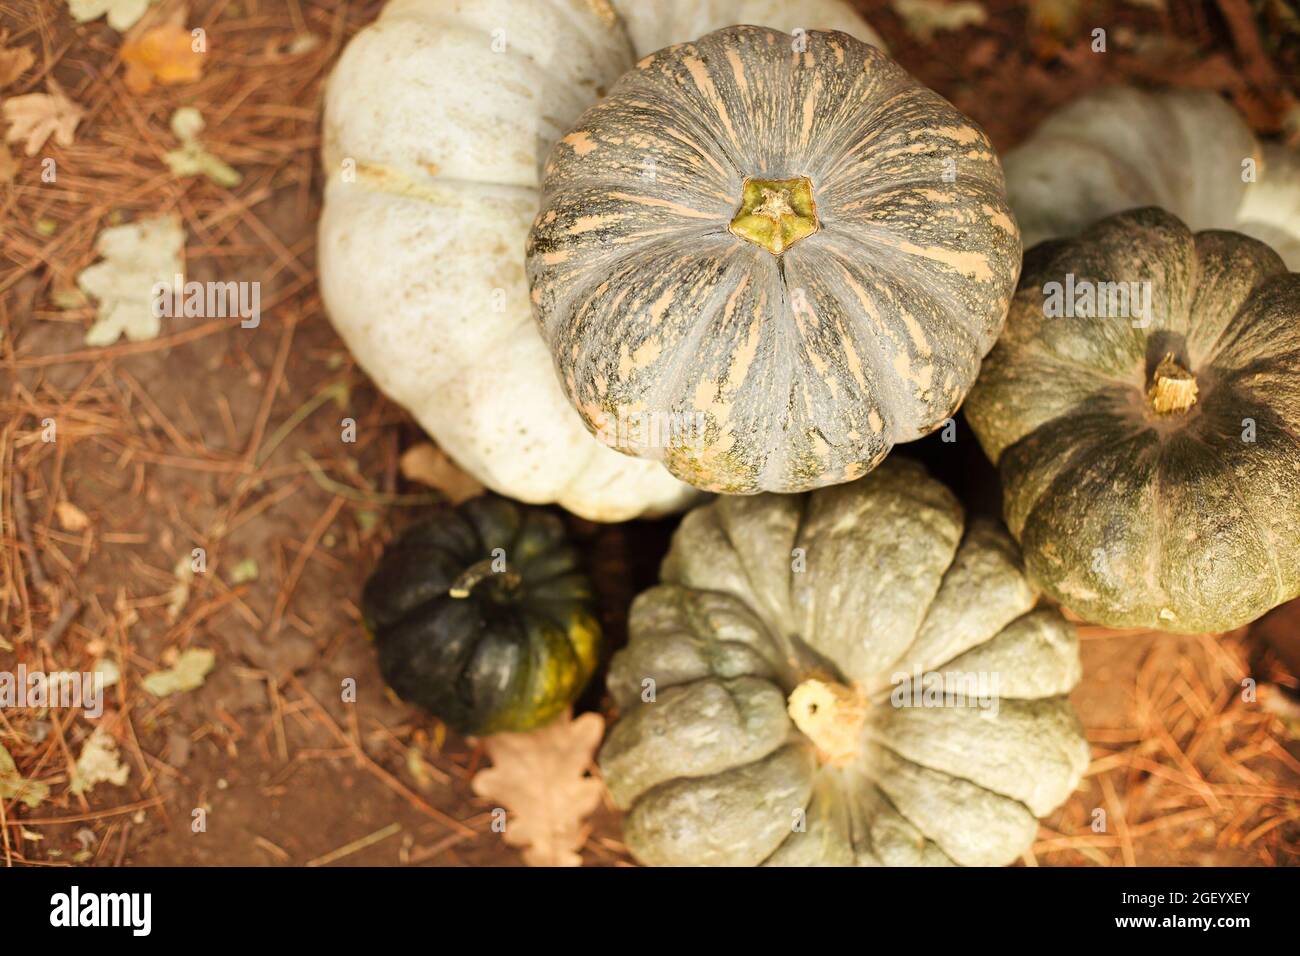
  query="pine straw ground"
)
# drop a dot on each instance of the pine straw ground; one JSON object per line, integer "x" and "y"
{"x": 227, "y": 439}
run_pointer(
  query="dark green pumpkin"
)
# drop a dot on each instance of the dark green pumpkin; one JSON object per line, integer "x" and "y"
{"x": 482, "y": 617}
{"x": 1150, "y": 455}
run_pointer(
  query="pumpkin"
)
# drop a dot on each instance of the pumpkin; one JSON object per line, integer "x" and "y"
{"x": 436, "y": 119}
{"x": 765, "y": 267}
{"x": 1187, "y": 151}
{"x": 1148, "y": 445}
{"x": 655, "y": 25}
{"x": 428, "y": 204}
{"x": 781, "y": 695}
{"x": 482, "y": 617}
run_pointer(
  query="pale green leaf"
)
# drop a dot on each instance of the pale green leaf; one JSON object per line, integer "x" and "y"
{"x": 244, "y": 572}
{"x": 192, "y": 159}
{"x": 189, "y": 672}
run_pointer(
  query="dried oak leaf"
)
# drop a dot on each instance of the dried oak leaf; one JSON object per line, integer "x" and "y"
{"x": 541, "y": 779}
{"x": 137, "y": 256}
{"x": 122, "y": 14}
{"x": 37, "y": 116}
{"x": 164, "y": 53}
{"x": 429, "y": 465}
{"x": 14, "y": 63}
{"x": 99, "y": 762}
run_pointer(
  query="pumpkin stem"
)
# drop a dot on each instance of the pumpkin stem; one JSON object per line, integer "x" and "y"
{"x": 775, "y": 213}
{"x": 1173, "y": 388}
{"x": 479, "y": 572}
{"x": 831, "y": 716}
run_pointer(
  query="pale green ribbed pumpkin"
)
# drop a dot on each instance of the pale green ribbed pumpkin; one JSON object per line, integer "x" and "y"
{"x": 757, "y": 720}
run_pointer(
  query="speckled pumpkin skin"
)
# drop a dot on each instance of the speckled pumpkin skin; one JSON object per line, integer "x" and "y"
{"x": 713, "y": 771}
{"x": 1128, "y": 517}
{"x": 502, "y": 656}
{"x": 790, "y": 371}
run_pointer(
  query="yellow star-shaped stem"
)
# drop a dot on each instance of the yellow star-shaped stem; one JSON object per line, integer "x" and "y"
{"x": 775, "y": 213}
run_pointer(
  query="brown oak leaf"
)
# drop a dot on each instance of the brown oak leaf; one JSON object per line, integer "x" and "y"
{"x": 429, "y": 465}
{"x": 36, "y": 116}
{"x": 541, "y": 779}
{"x": 164, "y": 53}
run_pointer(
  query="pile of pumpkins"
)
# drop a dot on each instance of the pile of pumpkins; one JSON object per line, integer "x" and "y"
{"x": 616, "y": 256}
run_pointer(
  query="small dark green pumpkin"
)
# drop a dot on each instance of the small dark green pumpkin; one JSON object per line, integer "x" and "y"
{"x": 482, "y": 617}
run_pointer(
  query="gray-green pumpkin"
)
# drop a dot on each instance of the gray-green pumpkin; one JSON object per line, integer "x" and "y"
{"x": 1149, "y": 448}
{"x": 766, "y": 259}
{"x": 771, "y": 695}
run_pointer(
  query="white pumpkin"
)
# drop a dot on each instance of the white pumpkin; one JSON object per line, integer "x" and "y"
{"x": 655, "y": 24}
{"x": 437, "y": 118}
{"x": 1185, "y": 151}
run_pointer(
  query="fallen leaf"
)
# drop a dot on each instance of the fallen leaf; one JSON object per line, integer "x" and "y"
{"x": 13, "y": 787}
{"x": 192, "y": 159}
{"x": 541, "y": 779}
{"x": 244, "y": 572}
{"x": 1052, "y": 22}
{"x": 137, "y": 257}
{"x": 99, "y": 763}
{"x": 71, "y": 518}
{"x": 304, "y": 43}
{"x": 418, "y": 767}
{"x": 14, "y": 63}
{"x": 427, "y": 464}
{"x": 164, "y": 53}
{"x": 924, "y": 18}
{"x": 180, "y": 592}
{"x": 37, "y": 116}
{"x": 122, "y": 14}
{"x": 108, "y": 671}
{"x": 188, "y": 673}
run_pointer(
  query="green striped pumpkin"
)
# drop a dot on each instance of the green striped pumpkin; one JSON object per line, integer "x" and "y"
{"x": 765, "y": 259}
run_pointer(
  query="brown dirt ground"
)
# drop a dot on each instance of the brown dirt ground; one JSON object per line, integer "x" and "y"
{"x": 200, "y": 438}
